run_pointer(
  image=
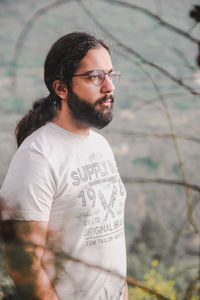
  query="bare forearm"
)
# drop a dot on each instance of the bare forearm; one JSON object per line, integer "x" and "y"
{"x": 126, "y": 292}
{"x": 24, "y": 248}
{"x": 34, "y": 286}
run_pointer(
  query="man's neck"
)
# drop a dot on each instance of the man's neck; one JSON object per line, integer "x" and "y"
{"x": 72, "y": 125}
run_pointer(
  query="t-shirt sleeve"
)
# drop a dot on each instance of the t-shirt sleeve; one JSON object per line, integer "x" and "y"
{"x": 29, "y": 187}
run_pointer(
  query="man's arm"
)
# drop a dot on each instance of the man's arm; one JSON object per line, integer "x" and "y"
{"x": 126, "y": 292}
{"x": 24, "y": 245}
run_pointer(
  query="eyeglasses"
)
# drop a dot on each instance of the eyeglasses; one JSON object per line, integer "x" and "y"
{"x": 98, "y": 76}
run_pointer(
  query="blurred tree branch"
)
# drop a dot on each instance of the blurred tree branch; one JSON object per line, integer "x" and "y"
{"x": 143, "y": 60}
{"x": 155, "y": 17}
{"x": 135, "y": 53}
{"x": 24, "y": 33}
{"x": 191, "y": 289}
{"x": 142, "y": 134}
{"x": 45, "y": 9}
{"x": 107, "y": 33}
{"x": 129, "y": 180}
{"x": 149, "y": 291}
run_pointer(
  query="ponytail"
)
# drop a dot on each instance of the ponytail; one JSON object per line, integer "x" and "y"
{"x": 61, "y": 63}
{"x": 43, "y": 110}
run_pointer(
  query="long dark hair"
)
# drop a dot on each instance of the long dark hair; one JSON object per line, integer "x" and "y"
{"x": 61, "y": 63}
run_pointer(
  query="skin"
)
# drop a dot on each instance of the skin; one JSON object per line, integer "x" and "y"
{"x": 29, "y": 238}
{"x": 24, "y": 245}
{"x": 98, "y": 59}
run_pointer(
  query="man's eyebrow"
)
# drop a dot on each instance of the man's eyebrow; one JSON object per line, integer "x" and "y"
{"x": 90, "y": 71}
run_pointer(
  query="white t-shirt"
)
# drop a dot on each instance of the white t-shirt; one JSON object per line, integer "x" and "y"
{"x": 72, "y": 182}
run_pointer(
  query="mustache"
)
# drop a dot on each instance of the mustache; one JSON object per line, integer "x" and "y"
{"x": 101, "y": 100}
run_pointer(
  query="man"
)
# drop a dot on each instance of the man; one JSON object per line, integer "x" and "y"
{"x": 63, "y": 199}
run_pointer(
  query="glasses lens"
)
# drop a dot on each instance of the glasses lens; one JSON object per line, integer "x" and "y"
{"x": 97, "y": 77}
{"x": 115, "y": 77}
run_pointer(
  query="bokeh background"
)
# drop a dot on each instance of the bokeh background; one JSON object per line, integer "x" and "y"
{"x": 155, "y": 133}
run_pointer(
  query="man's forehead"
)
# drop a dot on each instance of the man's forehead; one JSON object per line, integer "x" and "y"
{"x": 96, "y": 59}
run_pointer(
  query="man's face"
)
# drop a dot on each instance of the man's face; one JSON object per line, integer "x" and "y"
{"x": 90, "y": 104}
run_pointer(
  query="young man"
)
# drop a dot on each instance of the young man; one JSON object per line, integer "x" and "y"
{"x": 63, "y": 199}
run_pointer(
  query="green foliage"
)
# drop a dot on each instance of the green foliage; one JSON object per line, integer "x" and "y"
{"x": 179, "y": 190}
{"x": 150, "y": 202}
{"x": 156, "y": 281}
{"x": 7, "y": 289}
{"x": 152, "y": 242}
{"x": 176, "y": 170}
{"x": 152, "y": 247}
{"x": 18, "y": 105}
{"x": 147, "y": 246}
{"x": 182, "y": 105}
{"x": 146, "y": 161}
{"x": 129, "y": 227}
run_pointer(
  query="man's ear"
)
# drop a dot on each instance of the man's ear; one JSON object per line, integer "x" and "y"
{"x": 60, "y": 89}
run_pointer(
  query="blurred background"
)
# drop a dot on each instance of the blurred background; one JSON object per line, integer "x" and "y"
{"x": 155, "y": 133}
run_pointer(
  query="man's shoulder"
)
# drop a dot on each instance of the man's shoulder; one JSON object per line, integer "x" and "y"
{"x": 98, "y": 136}
{"x": 100, "y": 141}
{"x": 38, "y": 138}
{"x": 43, "y": 142}
{"x": 48, "y": 135}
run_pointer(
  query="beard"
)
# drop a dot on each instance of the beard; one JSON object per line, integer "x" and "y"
{"x": 89, "y": 114}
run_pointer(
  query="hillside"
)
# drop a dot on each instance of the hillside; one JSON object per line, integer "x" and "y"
{"x": 150, "y": 105}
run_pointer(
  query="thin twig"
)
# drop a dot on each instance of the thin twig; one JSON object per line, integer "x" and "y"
{"x": 187, "y": 189}
{"x": 45, "y": 9}
{"x": 173, "y": 135}
{"x": 23, "y": 35}
{"x": 184, "y": 270}
{"x": 155, "y": 17}
{"x": 193, "y": 26}
{"x": 191, "y": 289}
{"x": 193, "y": 187}
{"x": 135, "y": 53}
{"x": 133, "y": 282}
{"x": 142, "y": 134}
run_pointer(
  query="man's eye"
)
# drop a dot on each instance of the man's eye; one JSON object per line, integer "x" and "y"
{"x": 95, "y": 76}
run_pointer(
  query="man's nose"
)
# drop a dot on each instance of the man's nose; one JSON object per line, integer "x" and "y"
{"x": 107, "y": 85}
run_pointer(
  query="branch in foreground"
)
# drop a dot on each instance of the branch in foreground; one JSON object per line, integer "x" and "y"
{"x": 191, "y": 288}
{"x": 28, "y": 251}
{"x": 161, "y": 181}
{"x": 131, "y": 281}
{"x": 176, "y": 146}
{"x": 24, "y": 33}
{"x": 45, "y": 9}
{"x": 173, "y": 136}
{"x": 135, "y": 53}
{"x": 155, "y": 17}
{"x": 140, "y": 285}
{"x": 142, "y": 134}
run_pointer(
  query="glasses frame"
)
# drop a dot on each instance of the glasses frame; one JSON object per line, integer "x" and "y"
{"x": 110, "y": 75}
